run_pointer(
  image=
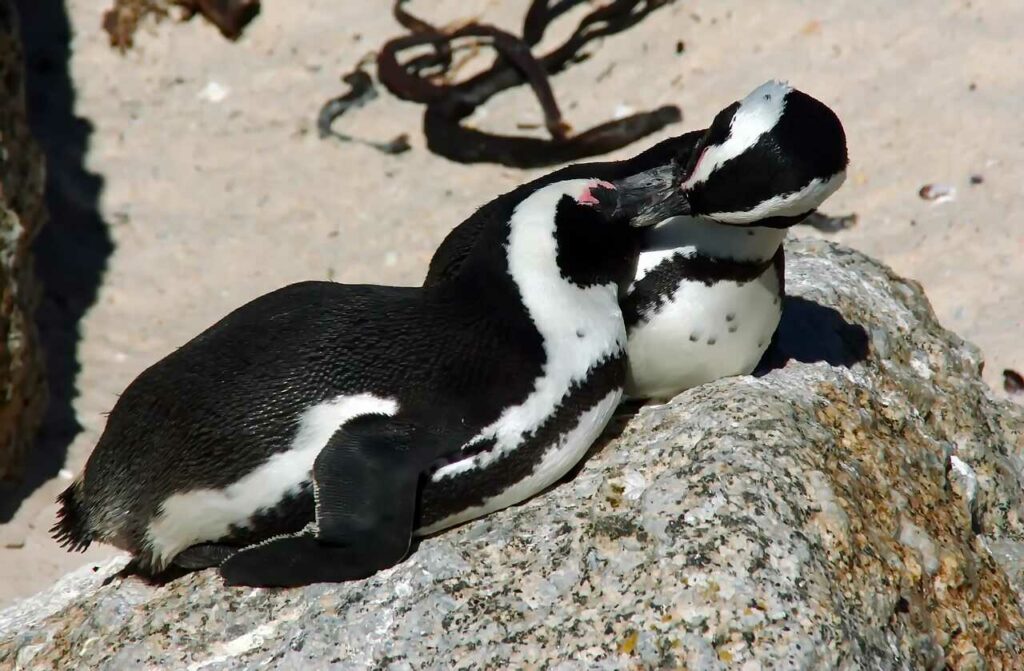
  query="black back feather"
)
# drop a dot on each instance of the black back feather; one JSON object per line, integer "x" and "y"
{"x": 72, "y": 528}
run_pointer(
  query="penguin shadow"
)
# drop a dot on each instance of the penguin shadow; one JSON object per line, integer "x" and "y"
{"x": 72, "y": 248}
{"x": 198, "y": 557}
{"x": 810, "y": 332}
{"x": 132, "y": 570}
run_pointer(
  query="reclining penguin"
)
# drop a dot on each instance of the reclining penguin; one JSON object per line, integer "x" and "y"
{"x": 308, "y": 435}
{"x": 707, "y": 296}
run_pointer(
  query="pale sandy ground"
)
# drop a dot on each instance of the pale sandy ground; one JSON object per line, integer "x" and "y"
{"x": 213, "y": 203}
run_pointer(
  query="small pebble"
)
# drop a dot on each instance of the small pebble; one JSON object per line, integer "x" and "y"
{"x": 977, "y": 179}
{"x": 811, "y": 28}
{"x": 680, "y": 47}
{"x": 214, "y": 92}
{"x": 937, "y": 192}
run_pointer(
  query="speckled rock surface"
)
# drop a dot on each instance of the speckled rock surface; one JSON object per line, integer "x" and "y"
{"x": 22, "y": 388}
{"x": 857, "y": 505}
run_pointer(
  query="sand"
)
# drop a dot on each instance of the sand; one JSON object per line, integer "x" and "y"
{"x": 216, "y": 188}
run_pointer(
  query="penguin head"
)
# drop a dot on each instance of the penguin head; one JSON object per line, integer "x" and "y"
{"x": 595, "y": 222}
{"x": 767, "y": 160}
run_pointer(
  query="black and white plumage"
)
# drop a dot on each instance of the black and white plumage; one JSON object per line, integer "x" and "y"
{"x": 320, "y": 426}
{"x": 707, "y": 297}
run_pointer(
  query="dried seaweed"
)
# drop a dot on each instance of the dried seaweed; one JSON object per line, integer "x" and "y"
{"x": 123, "y": 19}
{"x": 425, "y": 79}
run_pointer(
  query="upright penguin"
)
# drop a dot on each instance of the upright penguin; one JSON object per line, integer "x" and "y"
{"x": 708, "y": 292}
{"x": 309, "y": 434}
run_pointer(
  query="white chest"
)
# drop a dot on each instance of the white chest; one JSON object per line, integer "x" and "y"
{"x": 703, "y": 332}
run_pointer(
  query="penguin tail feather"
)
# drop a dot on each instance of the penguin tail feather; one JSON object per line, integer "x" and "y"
{"x": 72, "y": 528}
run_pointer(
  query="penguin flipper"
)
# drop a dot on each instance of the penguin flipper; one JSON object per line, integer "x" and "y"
{"x": 366, "y": 483}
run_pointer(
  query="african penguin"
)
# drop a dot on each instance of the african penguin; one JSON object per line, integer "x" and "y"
{"x": 707, "y": 296}
{"x": 708, "y": 292}
{"x": 309, "y": 434}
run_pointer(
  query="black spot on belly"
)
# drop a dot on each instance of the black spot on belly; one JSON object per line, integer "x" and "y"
{"x": 452, "y": 495}
{"x": 694, "y": 337}
{"x": 732, "y": 329}
{"x": 712, "y": 340}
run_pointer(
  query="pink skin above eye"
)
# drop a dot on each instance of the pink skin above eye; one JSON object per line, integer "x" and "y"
{"x": 587, "y": 198}
{"x": 696, "y": 166}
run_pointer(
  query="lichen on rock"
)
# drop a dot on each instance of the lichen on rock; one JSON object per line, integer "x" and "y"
{"x": 856, "y": 504}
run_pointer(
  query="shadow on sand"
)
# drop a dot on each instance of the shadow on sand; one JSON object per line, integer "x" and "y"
{"x": 72, "y": 248}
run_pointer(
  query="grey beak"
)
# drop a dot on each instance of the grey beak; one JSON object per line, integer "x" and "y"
{"x": 646, "y": 198}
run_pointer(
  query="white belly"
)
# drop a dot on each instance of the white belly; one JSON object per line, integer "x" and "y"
{"x": 702, "y": 334}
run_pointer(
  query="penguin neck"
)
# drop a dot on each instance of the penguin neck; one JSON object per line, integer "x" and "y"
{"x": 513, "y": 275}
{"x": 559, "y": 303}
{"x": 520, "y": 260}
{"x": 697, "y": 236}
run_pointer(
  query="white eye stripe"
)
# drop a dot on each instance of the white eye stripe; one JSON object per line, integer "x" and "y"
{"x": 757, "y": 114}
{"x": 786, "y": 205}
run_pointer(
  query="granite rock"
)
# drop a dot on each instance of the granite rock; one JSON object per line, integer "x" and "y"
{"x": 857, "y": 504}
{"x": 22, "y": 385}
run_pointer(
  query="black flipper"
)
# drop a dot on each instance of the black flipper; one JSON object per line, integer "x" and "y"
{"x": 366, "y": 481}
